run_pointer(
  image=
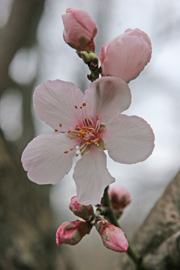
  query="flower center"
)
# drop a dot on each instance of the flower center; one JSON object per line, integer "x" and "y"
{"x": 87, "y": 133}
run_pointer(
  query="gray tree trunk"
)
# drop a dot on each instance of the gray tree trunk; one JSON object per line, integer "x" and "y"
{"x": 158, "y": 240}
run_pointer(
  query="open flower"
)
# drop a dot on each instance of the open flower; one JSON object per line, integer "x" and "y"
{"x": 85, "y": 124}
{"x": 126, "y": 55}
{"x": 79, "y": 29}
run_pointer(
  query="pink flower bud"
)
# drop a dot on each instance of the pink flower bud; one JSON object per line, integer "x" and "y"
{"x": 72, "y": 232}
{"x": 126, "y": 55}
{"x": 119, "y": 197}
{"x": 112, "y": 236}
{"x": 79, "y": 29}
{"x": 83, "y": 211}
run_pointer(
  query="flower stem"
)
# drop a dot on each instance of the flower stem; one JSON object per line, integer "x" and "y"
{"x": 91, "y": 60}
{"x": 112, "y": 218}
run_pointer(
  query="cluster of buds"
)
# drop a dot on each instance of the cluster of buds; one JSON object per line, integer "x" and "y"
{"x": 124, "y": 56}
{"x": 72, "y": 232}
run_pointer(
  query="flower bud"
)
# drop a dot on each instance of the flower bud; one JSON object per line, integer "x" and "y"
{"x": 79, "y": 29}
{"x": 126, "y": 55}
{"x": 112, "y": 236}
{"x": 83, "y": 211}
{"x": 119, "y": 197}
{"x": 72, "y": 232}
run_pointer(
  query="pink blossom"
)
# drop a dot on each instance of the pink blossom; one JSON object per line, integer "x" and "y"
{"x": 126, "y": 55}
{"x": 72, "y": 232}
{"x": 79, "y": 29}
{"x": 119, "y": 197}
{"x": 83, "y": 211}
{"x": 85, "y": 125}
{"x": 112, "y": 236}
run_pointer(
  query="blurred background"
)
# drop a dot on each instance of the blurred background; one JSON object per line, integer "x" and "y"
{"x": 29, "y": 56}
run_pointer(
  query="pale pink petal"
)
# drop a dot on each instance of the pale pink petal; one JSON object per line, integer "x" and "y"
{"x": 129, "y": 139}
{"x": 117, "y": 241}
{"x": 85, "y": 212}
{"x": 112, "y": 236}
{"x": 55, "y": 101}
{"x": 91, "y": 176}
{"x": 107, "y": 97}
{"x": 72, "y": 232}
{"x": 119, "y": 197}
{"x": 102, "y": 54}
{"x": 44, "y": 158}
{"x": 79, "y": 29}
{"x": 84, "y": 20}
{"x": 126, "y": 55}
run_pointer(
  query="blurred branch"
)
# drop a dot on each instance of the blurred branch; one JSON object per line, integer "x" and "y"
{"x": 20, "y": 31}
{"x": 26, "y": 231}
{"x": 27, "y": 118}
{"x": 158, "y": 240}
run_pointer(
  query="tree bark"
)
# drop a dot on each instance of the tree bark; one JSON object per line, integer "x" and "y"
{"x": 158, "y": 240}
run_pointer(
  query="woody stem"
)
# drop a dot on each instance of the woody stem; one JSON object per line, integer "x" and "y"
{"x": 91, "y": 60}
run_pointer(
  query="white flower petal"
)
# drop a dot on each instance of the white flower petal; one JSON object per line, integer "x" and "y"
{"x": 107, "y": 97}
{"x": 44, "y": 158}
{"x": 55, "y": 101}
{"x": 129, "y": 139}
{"x": 91, "y": 176}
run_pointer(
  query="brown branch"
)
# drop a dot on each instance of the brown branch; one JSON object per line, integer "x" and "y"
{"x": 19, "y": 32}
{"x": 158, "y": 240}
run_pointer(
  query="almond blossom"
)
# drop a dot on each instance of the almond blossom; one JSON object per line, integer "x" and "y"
{"x": 119, "y": 197}
{"x": 126, "y": 55}
{"x": 85, "y": 125}
{"x": 85, "y": 212}
{"x": 112, "y": 236}
{"x": 79, "y": 29}
{"x": 72, "y": 232}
